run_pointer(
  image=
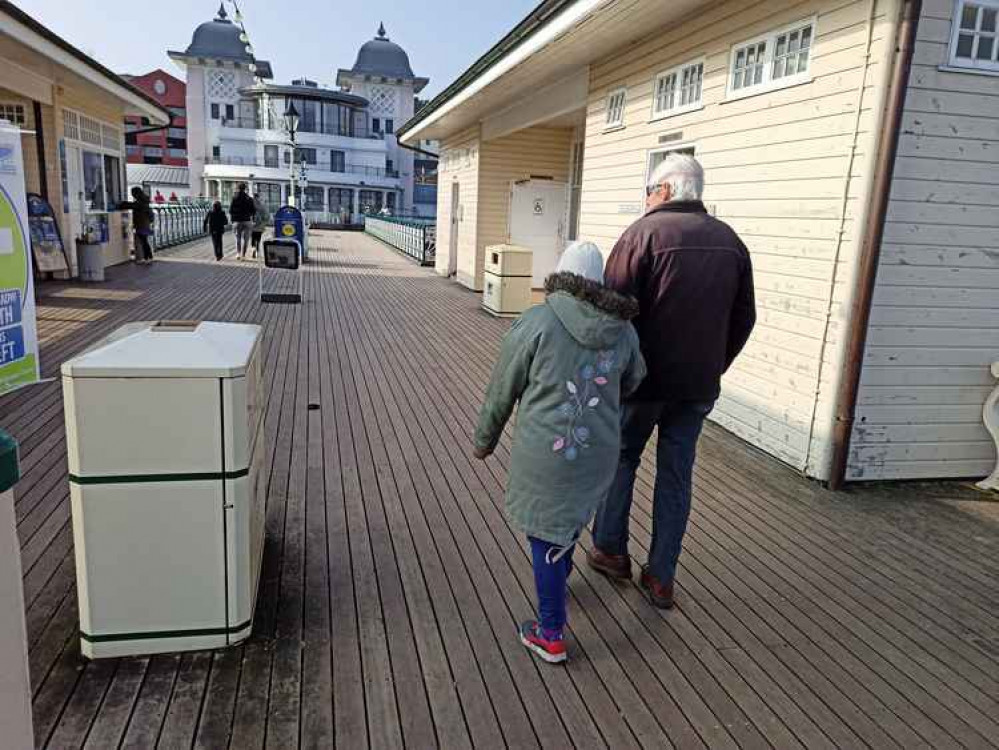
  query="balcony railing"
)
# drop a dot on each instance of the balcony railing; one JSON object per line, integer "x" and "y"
{"x": 318, "y": 166}
{"x": 417, "y": 238}
{"x": 254, "y": 123}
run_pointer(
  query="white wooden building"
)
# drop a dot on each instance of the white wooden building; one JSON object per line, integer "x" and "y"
{"x": 878, "y": 298}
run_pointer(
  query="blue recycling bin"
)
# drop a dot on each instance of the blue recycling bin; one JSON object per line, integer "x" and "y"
{"x": 290, "y": 224}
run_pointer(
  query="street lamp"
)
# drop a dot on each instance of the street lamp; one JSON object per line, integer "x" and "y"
{"x": 291, "y": 125}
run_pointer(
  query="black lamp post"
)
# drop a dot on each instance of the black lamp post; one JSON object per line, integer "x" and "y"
{"x": 291, "y": 125}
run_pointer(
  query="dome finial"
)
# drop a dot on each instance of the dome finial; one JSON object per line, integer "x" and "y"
{"x": 222, "y": 14}
{"x": 381, "y": 31}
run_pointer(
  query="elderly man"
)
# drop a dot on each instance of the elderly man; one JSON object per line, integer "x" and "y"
{"x": 694, "y": 283}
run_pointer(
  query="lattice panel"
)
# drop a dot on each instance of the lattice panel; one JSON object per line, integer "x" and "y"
{"x": 382, "y": 100}
{"x": 70, "y": 125}
{"x": 222, "y": 85}
{"x": 90, "y": 131}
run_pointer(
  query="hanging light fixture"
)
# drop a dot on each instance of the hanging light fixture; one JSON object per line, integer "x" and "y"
{"x": 252, "y": 67}
{"x": 291, "y": 119}
{"x": 244, "y": 38}
{"x": 249, "y": 49}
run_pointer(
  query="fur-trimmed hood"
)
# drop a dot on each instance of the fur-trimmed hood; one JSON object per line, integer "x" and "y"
{"x": 592, "y": 314}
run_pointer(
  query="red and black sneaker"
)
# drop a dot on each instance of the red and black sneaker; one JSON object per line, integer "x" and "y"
{"x": 551, "y": 649}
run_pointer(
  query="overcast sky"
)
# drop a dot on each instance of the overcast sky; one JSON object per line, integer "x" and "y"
{"x": 309, "y": 38}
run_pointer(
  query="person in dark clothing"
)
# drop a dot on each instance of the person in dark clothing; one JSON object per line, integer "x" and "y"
{"x": 242, "y": 210}
{"x": 142, "y": 224}
{"x": 693, "y": 280}
{"x": 215, "y": 223}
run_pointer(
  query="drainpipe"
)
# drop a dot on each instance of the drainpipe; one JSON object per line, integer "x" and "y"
{"x": 870, "y": 248}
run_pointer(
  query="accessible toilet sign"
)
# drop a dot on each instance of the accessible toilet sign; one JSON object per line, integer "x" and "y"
{"x": 18, "y": 336}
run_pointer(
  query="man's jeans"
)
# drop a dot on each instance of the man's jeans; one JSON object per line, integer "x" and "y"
{"x": 679, "y": 427}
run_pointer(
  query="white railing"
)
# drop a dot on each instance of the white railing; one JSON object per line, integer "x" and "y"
{"x": 414, "y": 237}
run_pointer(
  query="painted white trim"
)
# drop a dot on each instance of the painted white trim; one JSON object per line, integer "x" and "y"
{"x": 966, "y": 65}
{"x": 615, "y": 124}
{"x": 43, "y": 46}
{"x": 552, "y": 30}
{"x": 769, "y": 83}
{"x": 677, "y": 70}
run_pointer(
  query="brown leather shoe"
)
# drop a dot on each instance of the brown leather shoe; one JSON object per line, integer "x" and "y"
{"x": 660, "y": 594}
{"x": 612, "y": 566}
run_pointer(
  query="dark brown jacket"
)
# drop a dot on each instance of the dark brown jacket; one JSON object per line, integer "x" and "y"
{"x": 693, "y": 280}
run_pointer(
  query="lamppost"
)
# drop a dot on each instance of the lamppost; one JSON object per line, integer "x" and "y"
{"x": 291, "y": 125}
{"x": 303, "y": 181}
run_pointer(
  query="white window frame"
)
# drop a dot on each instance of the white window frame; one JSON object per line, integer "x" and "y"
{"x": 971, "y": 64}
{"x": 17, "y": 110}
{"x": 663, "y": 149}
{"x": 618, "y": 123}
{"x": 104, "y": 134}
{"x": 678, "y": 109}
{"x": 769, "y": 83}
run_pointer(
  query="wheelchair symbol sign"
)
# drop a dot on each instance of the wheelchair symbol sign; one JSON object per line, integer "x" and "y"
{"x": 539, "y": 206}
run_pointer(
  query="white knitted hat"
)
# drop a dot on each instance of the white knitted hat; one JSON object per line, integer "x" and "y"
{"x": 583, "y": 259}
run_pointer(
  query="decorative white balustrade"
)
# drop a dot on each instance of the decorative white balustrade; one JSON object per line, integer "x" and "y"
{"x": 414, "y": 237}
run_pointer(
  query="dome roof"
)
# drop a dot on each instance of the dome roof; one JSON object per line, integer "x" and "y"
{"x": 382, "y": 57}
{"x": 218, "y": 39}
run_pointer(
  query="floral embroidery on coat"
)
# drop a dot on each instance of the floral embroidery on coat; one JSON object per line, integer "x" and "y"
{"x": 584, "y": 396}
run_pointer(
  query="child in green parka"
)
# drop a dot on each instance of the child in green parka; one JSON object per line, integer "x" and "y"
{"x": 568, "y": 363}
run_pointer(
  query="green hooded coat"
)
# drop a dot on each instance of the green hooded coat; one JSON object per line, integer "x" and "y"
{"x": 569, "y": 362}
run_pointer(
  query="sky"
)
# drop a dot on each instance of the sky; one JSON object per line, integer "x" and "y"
{"x": 442, "y": 37}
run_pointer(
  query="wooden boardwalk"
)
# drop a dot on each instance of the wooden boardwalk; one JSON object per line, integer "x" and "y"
{"x": 392, "y": 584}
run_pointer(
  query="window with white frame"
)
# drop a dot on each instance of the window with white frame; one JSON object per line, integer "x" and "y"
{"x": 615, "y": 108}
{"x": 779, "y": 59}
{"x": 975, "y": 41}
{"x": 12, "y": 113}
{"x": 678, "y": 90}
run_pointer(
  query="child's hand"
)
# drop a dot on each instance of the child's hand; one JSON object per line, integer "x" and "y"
{"x": 482, "y": 453}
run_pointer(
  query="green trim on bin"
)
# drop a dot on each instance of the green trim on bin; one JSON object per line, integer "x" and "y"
{"x": 147, "y": 478}
{"x": 10, "y": 467}
{"x": 155, "y": 634}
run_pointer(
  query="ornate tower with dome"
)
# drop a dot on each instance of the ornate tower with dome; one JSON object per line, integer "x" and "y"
{"x": 382, "y": 74}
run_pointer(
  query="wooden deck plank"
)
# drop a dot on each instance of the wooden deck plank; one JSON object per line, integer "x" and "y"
{"x": 392, "y": 583}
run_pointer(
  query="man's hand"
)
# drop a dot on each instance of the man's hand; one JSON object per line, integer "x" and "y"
{"x": 482, "y": 453}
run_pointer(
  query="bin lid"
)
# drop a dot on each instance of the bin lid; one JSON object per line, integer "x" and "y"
{"x": 509, "y": 249}
{"x": 169, "y": 349}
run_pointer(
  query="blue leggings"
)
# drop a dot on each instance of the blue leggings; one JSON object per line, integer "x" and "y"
{"x": 550, "y": 576}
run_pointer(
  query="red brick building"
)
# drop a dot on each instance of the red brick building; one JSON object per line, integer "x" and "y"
{"x": 165, "y": 146}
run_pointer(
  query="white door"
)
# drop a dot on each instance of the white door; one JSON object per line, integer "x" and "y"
{"x": 537, "y": 221}
{"x": 452, "y": 262}
{"x": 74, "y": 182}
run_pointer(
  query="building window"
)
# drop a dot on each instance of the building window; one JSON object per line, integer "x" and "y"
{"x": 371, "y": 201}
{"x": 341, "y": 200}
{"x": 776, "y": 60}
{"x": 338, "y": 161}
{"x": 271, "y": 156}
{"x": 678, "y": 90}
{"x": 975, "y": 42}
{"x": 615, "y": 108}
{"x": 376, "y": 125}
{"x": 215, "y": 111}
{"x": 93, "y": 181}
{"x": 389, "y": 126}
{"x": 112, "y": 180}
{"x": 314, "y": 198}
{"x": 287, "y": 157}
{"x": 308, "y": 155}
{"x": 230, "y": 112}
{"x": 389, "y": 166}
{"x": 12, "y": 113}
{"x": 216, "y": 152}
{"x": 270, "y": 195}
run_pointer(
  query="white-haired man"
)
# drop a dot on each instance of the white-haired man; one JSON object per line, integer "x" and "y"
{"x": 693, "y": 280}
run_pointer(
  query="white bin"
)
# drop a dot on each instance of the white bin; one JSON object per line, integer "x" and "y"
{"x": 507, "y": 280}
{"x": 164, "y": 433}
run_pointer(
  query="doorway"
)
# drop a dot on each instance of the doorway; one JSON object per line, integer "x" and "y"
{"x": 538, "y": 222}
{"x": 452, "y": 258}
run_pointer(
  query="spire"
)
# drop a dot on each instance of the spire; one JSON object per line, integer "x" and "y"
{"x": 222, "y": 14}
{"x": 381, "y": 32}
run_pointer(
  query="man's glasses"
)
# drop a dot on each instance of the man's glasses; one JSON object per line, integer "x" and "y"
{"x": 650, "y": 189}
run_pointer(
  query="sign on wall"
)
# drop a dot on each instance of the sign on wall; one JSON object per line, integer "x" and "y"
{"x": 18, "y": 337}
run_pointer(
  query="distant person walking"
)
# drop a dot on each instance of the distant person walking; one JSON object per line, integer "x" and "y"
{"x": 693, "y": 280}
{"x": 568, "y": 363}
{"x": 261, "y": 218}
{"x": 215, "y": 223}
{"x": 142, "y": 224}
{"x": 242, "y": 211}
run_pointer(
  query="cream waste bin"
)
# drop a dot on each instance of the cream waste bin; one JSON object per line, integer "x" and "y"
{"x": 164, "y": 435}
{"x": 507, "y": 280}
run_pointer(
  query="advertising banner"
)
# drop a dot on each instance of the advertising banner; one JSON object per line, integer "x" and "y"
{"x": 18, "y": 336}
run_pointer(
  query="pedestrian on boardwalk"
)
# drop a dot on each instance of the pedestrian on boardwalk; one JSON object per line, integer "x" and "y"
{"x": 568, "y": 362}
{"x": 693, "y": 280}
{"x": 142, "y": 224}
{"x": 215, "y": 223}
{"x": 261, "y": 218}
{"x": 242, "y": 211}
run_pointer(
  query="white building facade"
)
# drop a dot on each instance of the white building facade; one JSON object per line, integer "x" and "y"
{"x": 344, "y": 159}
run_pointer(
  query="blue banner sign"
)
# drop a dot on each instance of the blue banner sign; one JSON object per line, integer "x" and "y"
{"x": 11, "y": 345}
{"x": 10, "y": 307}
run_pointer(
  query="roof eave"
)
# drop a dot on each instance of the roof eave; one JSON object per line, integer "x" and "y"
{"x": 31, "y": 33}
